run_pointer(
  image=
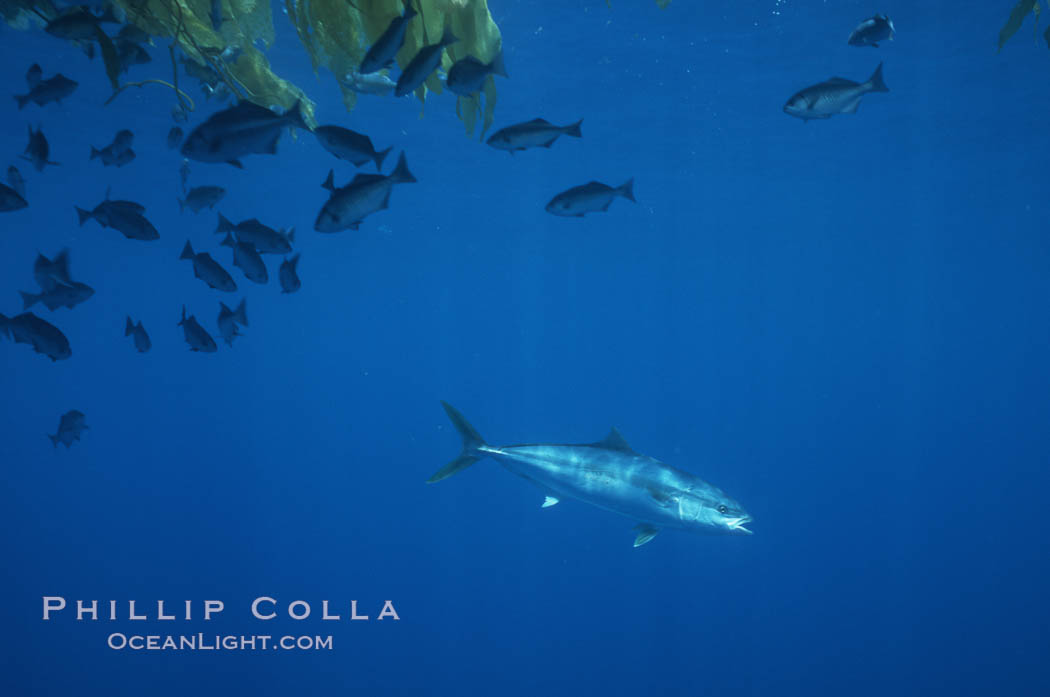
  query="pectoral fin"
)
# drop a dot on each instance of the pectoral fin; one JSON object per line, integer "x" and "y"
{"x": 645, "y": 532}
{"x": 549, "y": 501}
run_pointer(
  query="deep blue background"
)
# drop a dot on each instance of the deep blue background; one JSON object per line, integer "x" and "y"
{"x": 841, "y": 323}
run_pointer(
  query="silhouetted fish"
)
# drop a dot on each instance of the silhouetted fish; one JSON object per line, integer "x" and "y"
{"x": 423, "y": 64}
{"x": 240, "y": 130}
{"x": 138, "y": 334}
{"x": 247, "y": 259}
{"x": 201, "y": 197}
{"x": 381, "y": 54}
{"x": 58, "y": 295}
{"x": 349, "y": 145}
{"x": 209, "y": 270}
{"x": 70, "y": 426}
{"x": 532, "y": 134}
{"x": 43, "y": 336}
{"x": 265, "y": 239}
{"x": 38, "y": 151}
{"x": 195, "y": 334}
{"x": 41, "y": 92}
{"x": 589, "y": 198}
{"x": 229, "y": 319}
{"x": 124, "y": 216}
{"x": 467, "y": 75}
{"x": 365, "y": 194}
{"x": 289, "y": 275}
{"x": 871, "y": 31}
{"x": 835, "y": 96}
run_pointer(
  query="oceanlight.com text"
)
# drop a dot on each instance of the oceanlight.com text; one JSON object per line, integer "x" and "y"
{"x": 217, "y": 642}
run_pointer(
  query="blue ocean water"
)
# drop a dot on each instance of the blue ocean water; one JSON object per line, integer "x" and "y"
{"x": 842, "y": 323}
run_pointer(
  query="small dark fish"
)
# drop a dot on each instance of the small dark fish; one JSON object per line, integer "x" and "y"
{"x": 835, "y": 96}
{"x": 138, "y": 334}
{"x": 15, "y": 180}
{"x": 589, "y": 198}
{"x": 200, "y": 197}
{"x": 124, "y": 216}
{"x": 209, "y": 270}
{"x": 241, "y": 130}
{"x": 871, "y": 31}
{"x": 349, "y": 145}
{"x": 129, "y": 54}
{"x": 70, "y": 426}
{"x": 423, "y": 64}
{"x": 58, "y": 295}
{"x": 467, "y": 76}
{"x": 41, "y": 92}
{"x": 230, "y": 319}
{"x": 195, "y": 334}
{"x": 43, "y": 336}
{"x": 13, "y": 197}
{"x": 247, "y": 259}
{"x": 532, "y": 134}
{"x": 11, "y": 200}
{"x": 77, "y": 24}
{"x": 174, "y": 137}
{"x": 365, "y": 194}
{"x": 381, "y": 54}
{"x": 118, "y": 153}
{"x": 49, "y": 273}
{"x": 265, "y": 239}
{"x": 38, "y": 151}
{"x": 289, "y": 275}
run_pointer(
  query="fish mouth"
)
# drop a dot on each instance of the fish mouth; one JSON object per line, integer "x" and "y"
{"x": 737, "y": 524}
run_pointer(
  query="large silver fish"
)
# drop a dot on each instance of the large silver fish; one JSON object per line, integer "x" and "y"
{"x": 364, "y": 195}
{"x": 247, "y": 128}
{"x": 610, "y": 475}
{"x": 532, "y": 134}
{"x": 834, "y": 96}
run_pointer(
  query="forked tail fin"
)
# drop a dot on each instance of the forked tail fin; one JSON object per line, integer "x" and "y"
{"x": 472, "y": 442}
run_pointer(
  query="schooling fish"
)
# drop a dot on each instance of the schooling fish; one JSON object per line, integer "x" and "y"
{"x": 38, "y": 151}
{"x": 240, "y": 130}
{"x": 364, "y": 195}
{"x": 49, "y": 273}
{"x": 381, "y": 54}
{"x": 118, "y": 153}
{"x": 16, "y": 181}
{"x": 209, "y": 270}
{"x": 70, "y": 426}
{"x": 835, "y": 96}
{"x": 41, "y": 92}
{"x": 43, "y": 336}
{"x": 349, "y": 145}
{"x": 265, "y": 239}
{"x": 77, "y": 24}
{"x": 200, "y": 197}
{"x": 196, "y": 336}
{"x": 230, "y": 319}
{"x": 532, "y": 134}
{"x": 10, "y": 199}
{"x": 423, "y": 64}
{"x": 58, "y": 295}
{"x": 125, "y": 217}
{"x": 138, "y": 334}
{"x": 609, "y": 474}
{"x": 589, "y": 198}
{"x": 130, "y": 53}
{"x": 467, "y": 76}
{"x": 247, "y": 259}
{"x": 289, "y": 275}
{"x": 871, "y": 31}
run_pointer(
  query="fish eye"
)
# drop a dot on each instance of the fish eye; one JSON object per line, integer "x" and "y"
{"x": 722, "y": 509}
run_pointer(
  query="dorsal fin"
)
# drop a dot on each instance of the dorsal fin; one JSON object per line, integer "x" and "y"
{"x": 614, "y": 441}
